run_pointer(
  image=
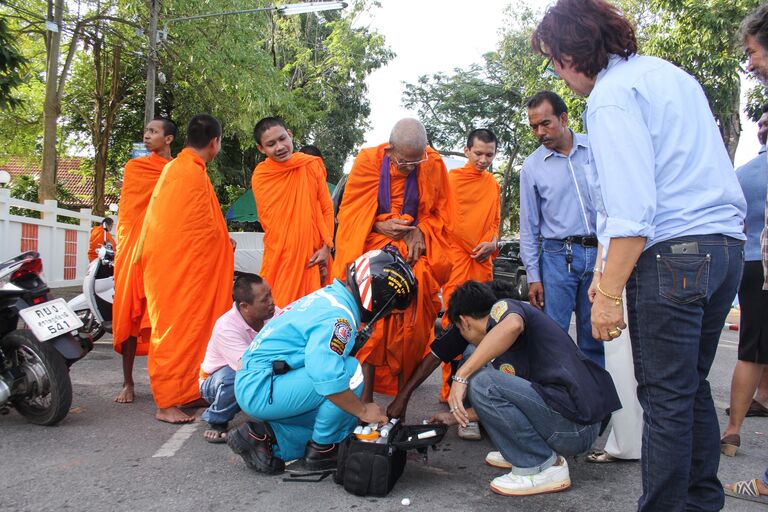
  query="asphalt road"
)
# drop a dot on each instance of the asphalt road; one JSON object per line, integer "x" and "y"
{"x": 107, "y": 456}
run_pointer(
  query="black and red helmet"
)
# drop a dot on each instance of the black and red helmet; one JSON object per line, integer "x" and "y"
{"x": 381, "y": 281}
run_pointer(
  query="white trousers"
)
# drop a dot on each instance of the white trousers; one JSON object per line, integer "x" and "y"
{"x": 626, "y": 437}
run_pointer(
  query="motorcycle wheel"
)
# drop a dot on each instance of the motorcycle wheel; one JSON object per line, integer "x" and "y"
{"x": 91, "y": 328}
{"x": 48, "y": 377}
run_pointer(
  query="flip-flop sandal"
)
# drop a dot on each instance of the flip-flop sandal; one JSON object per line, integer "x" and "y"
{"x": 220, "y": 431}
{"x": 756, "y": 409}
{"x": 746, "y": 490}
{"x": 601, "y": 457}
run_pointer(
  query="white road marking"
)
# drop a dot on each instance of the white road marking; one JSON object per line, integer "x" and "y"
{"x": 171, "y": 446}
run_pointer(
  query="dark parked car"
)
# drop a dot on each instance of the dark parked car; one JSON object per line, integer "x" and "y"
{"x": 509, "y": 267}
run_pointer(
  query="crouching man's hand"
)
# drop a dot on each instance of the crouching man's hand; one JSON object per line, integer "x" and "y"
{"x": 368, "y": 413}
{"x": 446, "y": 418}
{"x": 373, "y": 413}
{"x": 397, "y": 407}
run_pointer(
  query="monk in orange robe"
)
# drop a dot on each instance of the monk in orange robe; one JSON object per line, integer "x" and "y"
{"x": 188, "y": 265}
{"x": 130, "y": 321}
{"x": 99, "y": 236}
{"x": 295, "y": 211}
{"x": 476, "y": 214}
{"x": 397, "y": 194}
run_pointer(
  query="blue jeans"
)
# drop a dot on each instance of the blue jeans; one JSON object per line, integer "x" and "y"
{"x": 566, "y": 291}
{"x": 219, "y": 391}
{"x": 527, "y": 432}
{"x": 676, "y": 308}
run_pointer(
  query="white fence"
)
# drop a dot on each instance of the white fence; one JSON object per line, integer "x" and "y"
{"x": 62, "y": 247}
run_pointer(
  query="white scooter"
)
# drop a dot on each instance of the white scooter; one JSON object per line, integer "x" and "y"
{"x": 94, "y": 305}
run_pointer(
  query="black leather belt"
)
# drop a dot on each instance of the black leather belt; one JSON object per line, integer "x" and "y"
{"x": 586, "y": 241}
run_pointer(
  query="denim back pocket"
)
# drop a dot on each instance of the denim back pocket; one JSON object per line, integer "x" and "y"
{"x": 683, "y": 278}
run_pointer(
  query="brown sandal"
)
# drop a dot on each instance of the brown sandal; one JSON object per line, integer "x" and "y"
{"x": 729, "y": 445}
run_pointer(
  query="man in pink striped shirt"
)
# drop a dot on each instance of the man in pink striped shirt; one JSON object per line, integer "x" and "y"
{"x": 232, "y": 334}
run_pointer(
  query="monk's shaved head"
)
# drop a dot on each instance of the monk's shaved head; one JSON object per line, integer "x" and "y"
{"x": 409, "y": 136}
{"x": 169, "y": 127}
{"x": 202, "y": 129}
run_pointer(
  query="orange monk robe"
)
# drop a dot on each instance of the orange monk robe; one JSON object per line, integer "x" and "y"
{"x": 398, "y": 342}
{"x": 188, "y": 266}
{"x": 97, "y": 240}
{"x": 296, "y": 213}
{"x": 129, "y": 309}
{"x": 476, "y": 217}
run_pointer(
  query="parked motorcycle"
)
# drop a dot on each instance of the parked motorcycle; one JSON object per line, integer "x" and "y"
{"x": 94, "y": 305}
{"x": 35, "y": 359}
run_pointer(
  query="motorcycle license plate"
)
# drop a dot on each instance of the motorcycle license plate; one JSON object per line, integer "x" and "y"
{"x": 50, "y": 319}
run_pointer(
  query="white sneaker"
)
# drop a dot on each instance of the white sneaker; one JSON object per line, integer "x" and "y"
{"x": 553, "y": 479}
{"x": 497, "y": 460}
{"x": 471, "y": 432}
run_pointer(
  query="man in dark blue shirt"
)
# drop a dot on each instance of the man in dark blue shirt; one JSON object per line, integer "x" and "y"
{"x": 537, "y": 395}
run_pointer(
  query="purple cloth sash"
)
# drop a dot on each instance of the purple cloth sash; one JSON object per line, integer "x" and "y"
{"x": 410, "y": 197}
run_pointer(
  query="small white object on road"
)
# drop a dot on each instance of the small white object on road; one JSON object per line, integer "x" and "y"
{"x": 406, "y": 501}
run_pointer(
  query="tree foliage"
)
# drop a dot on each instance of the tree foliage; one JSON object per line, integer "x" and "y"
{"x": 12, "y": 68}
{"x": 700, "y": 36}
{"x": 491, "y": 95}
{"x": 309, "y": 69}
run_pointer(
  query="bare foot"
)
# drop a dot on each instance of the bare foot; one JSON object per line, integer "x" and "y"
{"x": 126, "y": 395}
{"x": 173, "y": 415}
{"x": 216, "y": 434}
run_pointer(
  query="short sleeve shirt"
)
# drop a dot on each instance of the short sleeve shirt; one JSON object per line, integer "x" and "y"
{"x": 546, "y": 356}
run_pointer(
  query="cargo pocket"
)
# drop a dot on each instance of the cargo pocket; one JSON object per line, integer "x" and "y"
{"x": 683, "y": 278}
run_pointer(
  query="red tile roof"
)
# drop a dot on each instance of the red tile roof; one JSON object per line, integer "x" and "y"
{"x": 69, "y": 173}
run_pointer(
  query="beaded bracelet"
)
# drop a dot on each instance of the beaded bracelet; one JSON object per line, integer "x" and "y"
{"x": 460, "y": 380}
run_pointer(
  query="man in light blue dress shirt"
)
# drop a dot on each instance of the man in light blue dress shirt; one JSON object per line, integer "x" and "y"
{"x": 557, "y": 221}
{"x": 753, "y": 328}
{"x": 754, "y": 38}
{"x": 674, "y": 222}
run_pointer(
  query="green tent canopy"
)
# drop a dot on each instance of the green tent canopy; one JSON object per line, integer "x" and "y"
{"x": 244, "y": 208}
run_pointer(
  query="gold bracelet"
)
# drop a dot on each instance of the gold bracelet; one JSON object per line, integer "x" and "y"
{"x": 616, "y": 298}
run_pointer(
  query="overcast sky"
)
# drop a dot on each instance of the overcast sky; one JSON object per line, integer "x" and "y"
{"x": 429, "y": 36}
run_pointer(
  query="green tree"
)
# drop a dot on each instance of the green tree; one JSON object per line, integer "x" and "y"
{"x": 700, "y": 36}
{"x": 489, "y": 95}
{"x": 21, "y": 126}
{"x": 105, "y": 76}
{"x": 309, "y": 69}
{"x": 12, "y": 68}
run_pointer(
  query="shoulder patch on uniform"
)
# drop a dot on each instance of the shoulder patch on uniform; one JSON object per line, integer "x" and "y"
{"x": 507, "y": 368}
{"x": 498, "y": 310}
{"x": 342, "y": 333}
